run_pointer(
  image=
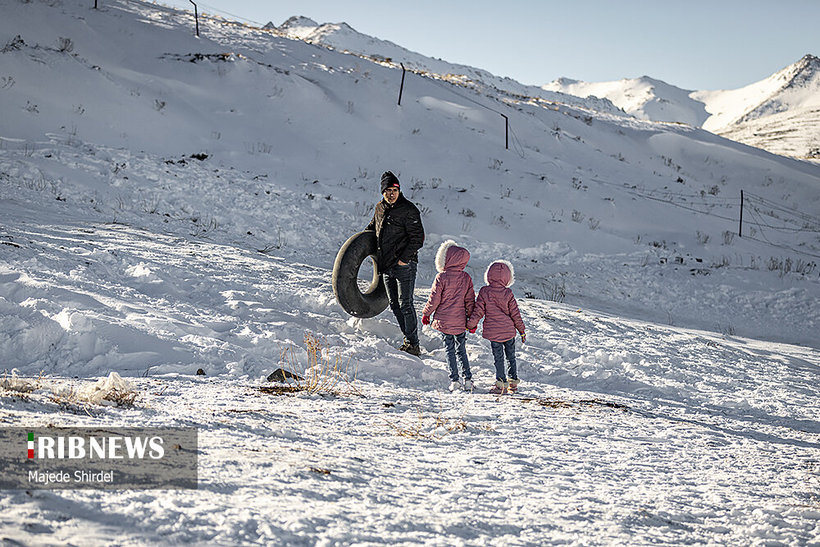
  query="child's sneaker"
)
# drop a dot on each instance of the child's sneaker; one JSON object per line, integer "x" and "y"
{"x": 468, "y": 385}
{"x": 500, "y": 388}
{"x": 513, "y": 385}
{"x": 455, "y": 385}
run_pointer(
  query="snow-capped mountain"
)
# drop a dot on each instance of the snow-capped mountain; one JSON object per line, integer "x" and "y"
{"x": 780, "y": 113}
{"x": 794, "y": 88}
{"x": 645, "y": 98}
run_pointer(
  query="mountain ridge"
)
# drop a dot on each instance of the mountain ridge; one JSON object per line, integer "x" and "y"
{"x": 724, "y": 112}
{"x": 800, "y": 78}
{"x": 344, "y": 38}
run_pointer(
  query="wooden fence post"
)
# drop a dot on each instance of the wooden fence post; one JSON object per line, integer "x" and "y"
{"x": 740, "y": 227}
{"x": 196, "y": 16}
{"x": 401, "y": 88}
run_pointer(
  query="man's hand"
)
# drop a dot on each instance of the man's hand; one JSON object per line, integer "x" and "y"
{"x": 402, "y": 263}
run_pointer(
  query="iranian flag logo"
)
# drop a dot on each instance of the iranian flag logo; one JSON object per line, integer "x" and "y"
{"x": 31, "y": 445}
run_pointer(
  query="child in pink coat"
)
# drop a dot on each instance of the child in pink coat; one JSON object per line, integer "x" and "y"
{"x": 502, "y": 319}
{"x": 451, "y": 302}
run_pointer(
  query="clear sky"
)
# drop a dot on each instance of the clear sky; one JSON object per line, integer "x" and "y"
{"x": 693, "y": 44}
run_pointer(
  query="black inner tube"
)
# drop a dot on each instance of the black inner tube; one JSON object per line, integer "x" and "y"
{"x": 352, "y": 255}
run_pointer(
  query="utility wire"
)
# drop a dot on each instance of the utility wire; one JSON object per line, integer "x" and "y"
{"x": 454, "y": 92}
{"x": 520, "y": 148}
{"x": 756, "y": 220}
{"x": 784, "y": 229}
{"x": 780, "y": 207}
{"x": 780, "y": 246}
{"x": 186, "y": 9}
{"x": 792, "y": 249}
{"x": 634, "y": 192}
{"x": 450, "y": 89}
{"x": 222, "y": 12}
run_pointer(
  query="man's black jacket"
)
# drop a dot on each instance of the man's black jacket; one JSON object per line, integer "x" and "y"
{"x": 399, "y": 233}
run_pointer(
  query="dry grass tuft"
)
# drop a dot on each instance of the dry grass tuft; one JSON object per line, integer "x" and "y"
{"x": 434, "y": 427}
{"x": 325, "y": 371}
{"x": 13, "y": 382}
{"x": 560, "y": 403}
{"x": 280, "y": 389}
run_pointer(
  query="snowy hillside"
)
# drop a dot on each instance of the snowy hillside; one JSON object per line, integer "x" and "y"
{"x": 780, "y": 114}
{"x": 171, "y": 203}
{"x": 343, "y": 37}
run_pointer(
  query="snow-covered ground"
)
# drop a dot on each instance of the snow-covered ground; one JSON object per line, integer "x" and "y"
{"x": 169, "y": 204}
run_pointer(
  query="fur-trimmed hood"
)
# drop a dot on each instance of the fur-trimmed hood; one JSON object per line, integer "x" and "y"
{"x": 500, "y": 272}
{"x": 450, "y": 255}
{"x": 496, "y": 304}
{"x": 452, "y": 296}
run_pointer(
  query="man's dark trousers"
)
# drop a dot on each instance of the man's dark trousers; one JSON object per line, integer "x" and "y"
{"x": 400, "y": 281}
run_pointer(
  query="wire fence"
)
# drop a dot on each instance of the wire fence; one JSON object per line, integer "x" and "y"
{"x": 790, "y": 220}
{"x": 769, "y": 216}
{"x": 763, "y": 212}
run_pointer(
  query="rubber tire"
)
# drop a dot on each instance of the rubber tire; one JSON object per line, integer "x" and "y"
{"x": 353, "y": 253}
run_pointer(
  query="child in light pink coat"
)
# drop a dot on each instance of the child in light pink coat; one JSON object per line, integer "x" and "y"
{"x": 502, "y": 319}
{"x": 451, "y": 302}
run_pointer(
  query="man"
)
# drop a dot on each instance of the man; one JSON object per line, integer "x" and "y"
{"x": 399, "y": 236}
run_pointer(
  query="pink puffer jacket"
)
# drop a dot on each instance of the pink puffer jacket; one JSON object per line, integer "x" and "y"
{"x": 452, "y": 297}
{"x": 497, "y": 305}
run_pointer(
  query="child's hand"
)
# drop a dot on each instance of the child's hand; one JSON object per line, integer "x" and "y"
{"x": 523, "y": 338}
{"x": 425, "y": 320}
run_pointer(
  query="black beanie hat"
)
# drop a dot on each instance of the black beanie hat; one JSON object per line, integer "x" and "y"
{"x": 389, "y": 180}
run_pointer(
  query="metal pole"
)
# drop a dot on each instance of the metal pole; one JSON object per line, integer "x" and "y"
{"x": 506, "y": 132}
{"x": 740, "y": 227}
{"x": 196, "y": 16}
{"x": 401, "y": 89}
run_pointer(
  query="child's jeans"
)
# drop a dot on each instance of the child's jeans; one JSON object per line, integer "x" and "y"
{"x": 499, "y": 350}
{"x": 456, "y": 347}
